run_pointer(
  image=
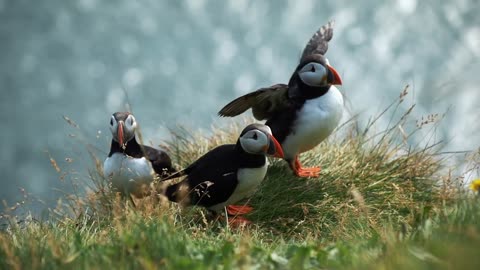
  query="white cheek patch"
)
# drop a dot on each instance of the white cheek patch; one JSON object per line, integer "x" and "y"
{"x": 129, "y": 127}
{"x": 131, "y": 119}
{"x": 114, "y": 130}
{"x": 251, "y": 145}
{"x": 313, "y": 74}
{"x": 262, "y": 140}
{"x": 129, "y": 133}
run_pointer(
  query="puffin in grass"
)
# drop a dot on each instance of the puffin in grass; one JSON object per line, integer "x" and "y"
{"x": 227, "y": 174}
{"x": 130, "y": 167}
{"x": 304, "y": 112}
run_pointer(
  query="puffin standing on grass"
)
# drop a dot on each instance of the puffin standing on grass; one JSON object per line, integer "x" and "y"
{"x": 227, "y": 174}
{"x": 131, "y": 166}
{"x": 304, "y": 112}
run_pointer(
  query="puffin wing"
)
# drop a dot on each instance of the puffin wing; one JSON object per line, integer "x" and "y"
{"x": 264, "y": 102}
{"x": 318, "y": 44}
{"x": 210, "y": 180}
{"x": 204, "y": 191}
{"x": 161, "y": 162}
{"x": 208, "y": 189}
{"x": 206, "y": 163}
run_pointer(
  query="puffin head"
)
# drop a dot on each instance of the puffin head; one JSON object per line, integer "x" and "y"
{"x": 258, "y": 139}
{"x": 122, "y": 126}
{"x": 314, "y": 72}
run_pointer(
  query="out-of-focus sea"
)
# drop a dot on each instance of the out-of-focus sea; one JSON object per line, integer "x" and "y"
{"x": 181, "y": 61}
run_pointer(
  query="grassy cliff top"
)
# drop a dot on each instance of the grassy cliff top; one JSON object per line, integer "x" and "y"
{"x": 385, "y": 199}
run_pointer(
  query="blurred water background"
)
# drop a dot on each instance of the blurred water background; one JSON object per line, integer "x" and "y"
{"x": 181, "y": 61}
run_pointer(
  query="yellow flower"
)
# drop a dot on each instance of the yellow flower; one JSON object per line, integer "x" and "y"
{"x": 475, "y": 185}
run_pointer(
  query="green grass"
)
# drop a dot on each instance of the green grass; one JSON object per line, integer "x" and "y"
{"x": 445, "y": 241}
{"x": 383, "y": 201}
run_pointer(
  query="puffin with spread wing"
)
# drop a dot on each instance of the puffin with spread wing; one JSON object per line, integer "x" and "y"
{"x": 304, "y": 112}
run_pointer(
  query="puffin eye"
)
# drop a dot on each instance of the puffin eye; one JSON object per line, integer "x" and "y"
{"x": 131, "y": 121}
{"x": 312, "y": 69}
{"x": 255, "y": 136}
{"x": 111, "y": 121}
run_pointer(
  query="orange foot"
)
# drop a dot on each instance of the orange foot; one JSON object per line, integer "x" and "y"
{"x": 304, "y": 172}
{"x": 308, "y": 172}
{"x": 234, "y": 210}
{"x": 238, "y": 222}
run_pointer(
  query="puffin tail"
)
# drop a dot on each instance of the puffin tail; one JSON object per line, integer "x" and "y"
{"x": 177, "y": 193}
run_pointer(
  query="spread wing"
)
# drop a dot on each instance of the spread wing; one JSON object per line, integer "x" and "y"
{"x": 318, "y": 44}
{"x": 264, "y": 102}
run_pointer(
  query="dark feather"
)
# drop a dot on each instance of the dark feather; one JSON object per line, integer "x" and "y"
{"x": 318, "y": 44}
{"x": 210, "y": 159}
{"x": 264, "y": 102}
{"x": 161, "y": 162}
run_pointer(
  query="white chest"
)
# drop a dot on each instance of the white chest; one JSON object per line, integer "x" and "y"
{"x": 128, "y": 174}
{"x": 315, "y": 122}
{"x": 248, "y": 182}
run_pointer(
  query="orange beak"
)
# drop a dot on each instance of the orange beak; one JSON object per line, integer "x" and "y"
{"x": 334, "y": 78}
{"x": 274, "y": 148}
{"x": 120, "y": 133}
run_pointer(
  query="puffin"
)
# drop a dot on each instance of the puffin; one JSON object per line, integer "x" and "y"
{"x": 131, "y": 166}
{"x": 227, "y": 174}
{"x": 304, "y": 112}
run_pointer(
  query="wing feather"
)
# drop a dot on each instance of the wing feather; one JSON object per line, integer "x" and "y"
{"x": 318, "y": 44}
{"x": 264, "y": 102}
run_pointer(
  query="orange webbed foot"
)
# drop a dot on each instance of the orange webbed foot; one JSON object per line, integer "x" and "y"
{"x": 234, "y": 210}
{"x": 304, "y": 172}
{"x": 308, "y": 172}
{"x": 238, "y": 222}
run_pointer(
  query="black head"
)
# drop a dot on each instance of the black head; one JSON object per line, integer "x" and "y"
{"x": 258, "y": 139}
{"x": 123, "y": 126}
{"x": 313, "y": 77}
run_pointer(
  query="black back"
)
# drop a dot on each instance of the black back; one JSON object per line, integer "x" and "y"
{"x": 213, "y": 177}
